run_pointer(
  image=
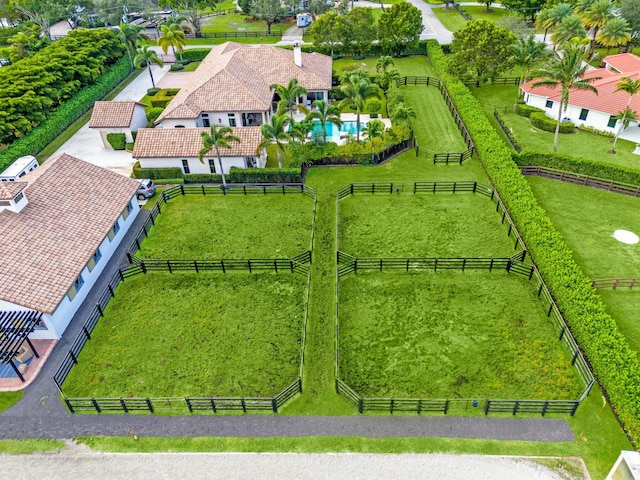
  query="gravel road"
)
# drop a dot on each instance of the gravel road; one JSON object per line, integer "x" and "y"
{"x": 70, "y": 465}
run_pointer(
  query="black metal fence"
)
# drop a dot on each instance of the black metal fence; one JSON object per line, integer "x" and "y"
{"x": 585, "y": 180}
{"x": 615, "y": 283}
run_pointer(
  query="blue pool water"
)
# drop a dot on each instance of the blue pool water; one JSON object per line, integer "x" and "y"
{"x": 348, "y": 127}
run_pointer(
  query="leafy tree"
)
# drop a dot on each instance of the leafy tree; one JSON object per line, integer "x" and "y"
{"x": 527, "y": 53}
{"x": 569, "y": 28}
{"x": 359, "y": 31}
{"x": 325, "y": 113}
{"x": 566, "y": 72}
{"x": 614, "y": 33}
{"x": 327, "y": 31}
{"x": 525, "y": 8}
{"x": 42, "y": 12}
{"x": 268, "y": 11}
{"x": 356, "y": 95}
{"x": 26, "y": 42}
{"x": 400, "y": 27}
{"x": 318, "y": 7}
{"x": 172, "y": 36}
{"x": 632, "y": 87}
{"x": 131, "y": 35}
{"x": 596, "y": 16}
{"x": 191, "y": 9}
{"x": 481, "y": 50}
{"x": 275, "y": 132}
{"x": 144, "y": 58}
{"x": 289, "y": 96}
{"x": 245, "y": 6}
{"x": 217, "y": 138}
{"x": 111, "y": 12}
{"x": 630, "y": 11}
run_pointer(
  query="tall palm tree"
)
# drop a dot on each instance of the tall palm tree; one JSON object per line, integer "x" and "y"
{"x": 549, "y": 18}
{"x": 172, "y": 36}
{"x": 218, "y": 137}
{"x": 615, "y": 33}
{"x": 384, "y": 63}
{"x": 131, "y": 35}
{"x": 632, "y": 87}
{"x": 527, "y": 52}
{"x": 402, "y": 115}
{"x": 569, "y": 28}
{"x": 289, "y": 96}
{"x": 566, "y": 72}
{"x": 596, "y": 16}
{"x": 275, "y": 132}
{"x": 374, "y": 129}
{"x": 299, "y": 130}
{"x": 179, "y": 20}
{"x": 144, "y": 58}
{"x": 356, "y": 94}
{"x": 324, "y": 114}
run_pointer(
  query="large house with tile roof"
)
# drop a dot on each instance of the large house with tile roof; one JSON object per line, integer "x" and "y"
{"x": 167, "y": 148}
{"x": 590, "y": 109}
{"x": 231, "y": 85}
{"x": 59, "y": 226}
{"x": 118, "y": 117}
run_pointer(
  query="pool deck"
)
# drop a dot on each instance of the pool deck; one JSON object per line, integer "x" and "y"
{"x": 365, "y": 118}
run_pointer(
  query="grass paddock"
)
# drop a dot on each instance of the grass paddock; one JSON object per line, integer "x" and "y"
{"x": 207, "y": 334}
{"x": 450, "y": 335}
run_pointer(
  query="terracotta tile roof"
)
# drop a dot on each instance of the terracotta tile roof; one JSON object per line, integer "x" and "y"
{"x": 112, "y": 114}
{"x": 8, "y": 190}
{"x": 624, "y": 62}
{"x": 72, "y": 205}
{"x": 607, "y": 100}
{"x": 187, "y": 142}
{"x": 235, "y": 77}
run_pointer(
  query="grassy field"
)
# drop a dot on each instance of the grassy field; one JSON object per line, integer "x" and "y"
{"x": 422, "y": 225}
{"x": 237, "y": 335}
{"x": 624, "y": 306}
{"x": 8, "y": 399}
{"x": 579, "y": 144}
{"x": 418, "y": 66}
{"x": 231, "y": 226}
{"x": 434, "y": 127}
{"x": 218, "y": 41}
{"x": 453, "y": 21}
{"x": 240, "y": 23}
{"x": 450, "y": 335}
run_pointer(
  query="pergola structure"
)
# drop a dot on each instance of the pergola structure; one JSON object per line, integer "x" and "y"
{"x": 15, "y": 328}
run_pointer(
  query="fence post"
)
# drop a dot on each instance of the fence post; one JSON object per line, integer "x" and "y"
{"x": 515, "y": 407}
{"x": 360, "y": 405}
{"x": 169, "y": 266}
{"x": 274, "y": 405}
{"x": 144, "y": 267}
{"x": 222, "y": 265}
{"x": 99, "y": 309}
{"x": 195, "y": 264}
{"x": 487, "y": 407}
{"x": 111, "y": 291}
{"x": 182, "y": 189}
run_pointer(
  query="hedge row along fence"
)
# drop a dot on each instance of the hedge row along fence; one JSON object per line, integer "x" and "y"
{"x": 614, "y": 364}
{"x": 299, "y": 264}
{"x": 585, "y": 180}
{"x": 235, "y": 175}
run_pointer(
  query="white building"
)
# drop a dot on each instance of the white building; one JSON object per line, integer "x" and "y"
{"x": 595, "y": 110}
{"x": 167, "y": 148}
{"x": 118, "y": 117}
{"x": 59, "y": 226}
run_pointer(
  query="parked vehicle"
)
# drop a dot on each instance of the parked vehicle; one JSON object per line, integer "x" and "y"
{"x": 147, "y": 189}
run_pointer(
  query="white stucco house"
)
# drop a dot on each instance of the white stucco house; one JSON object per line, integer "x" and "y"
{"x": 231, "y": 85}
{"x": 587, "y": 108}
{"x": 118, "y": 117}
{"x": 59, "y": 226}
{"x": 167, "y": 148}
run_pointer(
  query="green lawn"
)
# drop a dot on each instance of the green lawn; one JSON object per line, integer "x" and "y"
{"x": 218, "y": 41}
{"x": 623, "y": 305}
{"x": 8, "y": 399}
{"x": 587, "y": 218}
{"x": 240, "y": 23}
{"x": 32, "y": 445}
{"x": 453, "y": 21}
{"x": 434, "y": 127}
{"x": 422, "y": 225}
{"x": 580, "y": 144}
{"x": 231, "y": 226}
{"x": 406, "y": 66}
{"x": 207, "y": 334}
{"x": 450, "y": 335}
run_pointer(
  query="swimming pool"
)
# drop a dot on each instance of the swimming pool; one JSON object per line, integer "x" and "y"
{"x": 348, "y": 128}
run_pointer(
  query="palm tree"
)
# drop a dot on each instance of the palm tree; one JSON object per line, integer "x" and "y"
{"x": 615, "y": 33}
{"x": 383, "y": 63}
{"x": 632, "y": 87}
{"x": 402, "y": 115}
{"x": 130, "y": 35}
{"x": 145, "y": 57}
{"x": 324, "y": 114}
{"x": 596, "y": 16}
{"x": 289, "y": 96}
{"x": 172, "y": 36}
{"x": 583, "y": 5}
{"x": 299, "y": 130}
{"x": 356, "y": 94}
{"x": 569, "y": 28}
{"x": 549, "y": 18}
{"x": 374, "y": 129}
{"x": 275, "y": 132}
{"x": 218, "y": 137}
{"x": 179, "y": 20}
{"x": 527, "y": 52}
{"x": 566, "y": 72}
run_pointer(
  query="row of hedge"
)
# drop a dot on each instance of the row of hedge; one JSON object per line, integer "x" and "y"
{"x": 541, "y": 121}
{"x": 614, "y": 363}
{"x": 577, "y": 165}
{"x": 41, "y": 136}
{"x": 235, "y": 175}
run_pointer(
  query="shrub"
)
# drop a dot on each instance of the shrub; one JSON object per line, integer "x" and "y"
{"x": 153, "y": 114}
{"x": 202, "y": 178}
{"x": 160, "y": 103}
{"x": 117, "y": 140}
{"x": 614, "y": 364}
{"x": 541, "y": 121}
{"x": 170, "y": 92}
{"x": 168, "y": 181}
{"x": 195, "y": 54}
{"x": 525, "y": 110}
{"x": 129, "y": 146}
{"x": 152, "y": 91}
{"x": 155, "y": 173}
{"x": 264, "y": 175}
{"x": 176, "y": 67}
{"x": 595, "y": 131}
{"x": 374, "y": 106}
{"x": 374, "y": 115}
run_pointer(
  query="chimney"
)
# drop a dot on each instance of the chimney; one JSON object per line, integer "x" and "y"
{"x": 297, "y": 54}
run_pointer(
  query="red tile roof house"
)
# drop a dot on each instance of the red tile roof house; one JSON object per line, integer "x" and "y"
{"x": 118, "y": 117}
{"x": 59, "y": 226}
{"x": 587, "y": 108}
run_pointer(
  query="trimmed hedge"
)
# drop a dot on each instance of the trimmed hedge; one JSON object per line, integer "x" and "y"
{"x": 176, "y": 67}
{"x": 595, "y": 131}
{"x": 202, "y": 178}
{"x": 155, "y": 173}
{"x": 264, "y": 175}
{"x": 525, "y": 110}
{"x": 160, "y": 103}
{"x": 117, "y": 140}
{"x": 152, "y": 91}
{"x": 577, "y": 165}
{"x": 541, "y": 121}
{"x": 614, "y": 364}
{"x": 195, "y": 54}
{"x": 41, "y": 136}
